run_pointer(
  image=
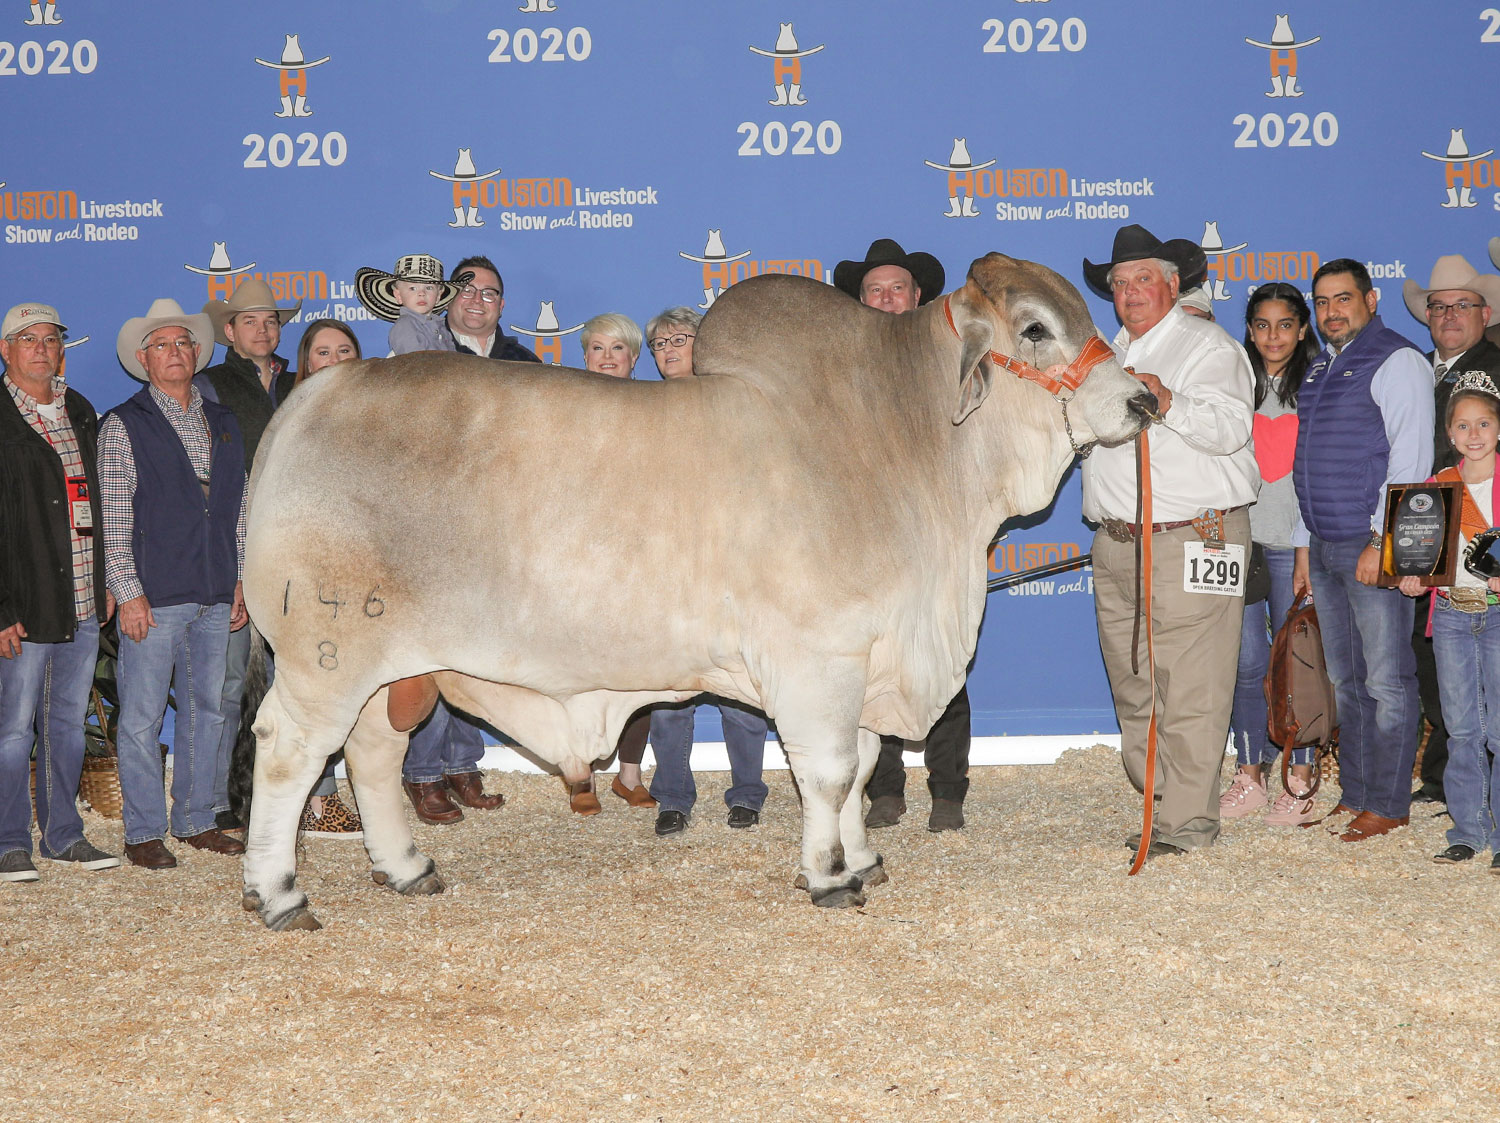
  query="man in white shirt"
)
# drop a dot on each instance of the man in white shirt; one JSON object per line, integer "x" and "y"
{"x": 1203, "y": 477}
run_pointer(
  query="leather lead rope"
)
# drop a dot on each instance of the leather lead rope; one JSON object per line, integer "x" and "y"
{"x": 1143, "y": 611}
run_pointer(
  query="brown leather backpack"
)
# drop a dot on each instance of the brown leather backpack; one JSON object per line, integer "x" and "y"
{"x": 1300, "y": 703}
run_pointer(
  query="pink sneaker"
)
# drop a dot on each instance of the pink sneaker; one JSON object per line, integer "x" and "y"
{"x": 1291, "y": 810}
{"x": 1243, "y": 797}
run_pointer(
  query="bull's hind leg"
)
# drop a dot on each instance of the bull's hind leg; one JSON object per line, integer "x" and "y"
{"x": 373, "y": 757}
{"x": 286, "y": 767}
{"x": 817, "y": 715}
{"x": 865, "y": 863}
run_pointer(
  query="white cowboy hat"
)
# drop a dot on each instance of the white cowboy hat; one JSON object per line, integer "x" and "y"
{"x": 546, "y": 324}
{"x": 163, "y": 313}
{"x": 1458, "y": 150}
{"x": 1282, "y": 38}
{"x": 959, "y": 161}
{"x": 713, "y": 251}
{"x": 786, "y": 46}
{"x": 1212, "y": 244}
{"x": 376, "y": 289}
{"x": 218, "y": 264}
{"x": 252, "y": 295}
{"x": 1451, "y": 272}
{"x": 291, "y": 57}
{"x": 463, "y": 169}
{"x": 1199, "y": 298}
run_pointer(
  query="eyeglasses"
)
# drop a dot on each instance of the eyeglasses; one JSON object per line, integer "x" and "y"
{"x": 163, "y": 346}
{"x": 31, "y": 339}
{"x": 1462, "y": 307}
{"x": 489, "y": 296}
{"x": 661, "y": 342}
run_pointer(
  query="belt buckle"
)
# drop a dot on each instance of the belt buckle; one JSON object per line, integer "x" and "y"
{"x": 1472, "y": 601}
{"x": 1118, "y": 529}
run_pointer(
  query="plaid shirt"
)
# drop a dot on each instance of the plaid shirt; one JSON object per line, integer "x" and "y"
{"x": 117, "y": 488}
{"x": 59, "y": 434}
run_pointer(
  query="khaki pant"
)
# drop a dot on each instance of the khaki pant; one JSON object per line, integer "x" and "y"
{"x": 1197, "y": 642}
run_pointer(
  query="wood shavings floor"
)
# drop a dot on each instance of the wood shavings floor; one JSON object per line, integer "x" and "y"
{"x": 583, "y": 969}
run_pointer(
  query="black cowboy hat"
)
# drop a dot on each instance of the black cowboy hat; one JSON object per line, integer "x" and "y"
{"x": 1136, "y": 243}
{"x": 925, "y": 270}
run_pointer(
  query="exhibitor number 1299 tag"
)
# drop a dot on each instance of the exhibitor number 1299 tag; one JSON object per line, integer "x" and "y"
{"x": 1217, "y": 570}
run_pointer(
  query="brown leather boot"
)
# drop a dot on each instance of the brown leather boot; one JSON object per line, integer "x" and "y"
{"x": 213, "y": 840}
{"x": 431, "y": 803}
{"x": 151, "y": 855}
{"x": 469, "y": 788}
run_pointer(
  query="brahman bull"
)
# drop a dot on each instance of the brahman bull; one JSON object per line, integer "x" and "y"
{"x": 802, "y": 528}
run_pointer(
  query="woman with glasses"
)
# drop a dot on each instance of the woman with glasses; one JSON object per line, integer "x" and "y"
{"x": 670, "y": 337}
{"x": 1280, "y": 345}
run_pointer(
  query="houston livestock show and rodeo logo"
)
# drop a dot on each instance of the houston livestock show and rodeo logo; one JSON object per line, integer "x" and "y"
{"x": 548, "y": 334}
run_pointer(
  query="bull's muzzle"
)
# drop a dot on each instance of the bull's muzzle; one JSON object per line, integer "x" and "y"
{"x": 1145, "y": 406}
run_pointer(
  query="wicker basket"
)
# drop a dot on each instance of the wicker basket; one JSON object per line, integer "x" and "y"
{"x": 99, "y": 786}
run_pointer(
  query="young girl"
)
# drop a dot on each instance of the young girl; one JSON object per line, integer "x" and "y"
{"x": 1465, "y": 626}
{"x": 1278, "y": 341}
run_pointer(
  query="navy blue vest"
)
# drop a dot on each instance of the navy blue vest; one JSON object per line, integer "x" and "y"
{"x": 184, "y": 544}
{"x": 1342, "y": 453}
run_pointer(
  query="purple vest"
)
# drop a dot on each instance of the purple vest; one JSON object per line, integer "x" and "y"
{"x": 184, "y": 544}
{"x": 1342, "y": 453}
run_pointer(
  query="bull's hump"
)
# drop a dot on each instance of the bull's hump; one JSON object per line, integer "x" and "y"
{"x": 770, "y": 329}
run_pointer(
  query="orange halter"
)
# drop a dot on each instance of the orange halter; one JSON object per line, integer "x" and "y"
{"x": 1094, "y": 352}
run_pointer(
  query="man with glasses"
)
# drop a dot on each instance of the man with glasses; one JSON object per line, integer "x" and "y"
{"x": 52, "y": 595}
{"x": 172, "y": 473}
{"x": 1364, "y": 421}
{"x": 474, "y": 315}
{"x": 442, "y": 759}
{"x": 1456, "y": 307}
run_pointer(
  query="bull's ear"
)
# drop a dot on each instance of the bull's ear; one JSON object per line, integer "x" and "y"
{"x": 975, "y": 371}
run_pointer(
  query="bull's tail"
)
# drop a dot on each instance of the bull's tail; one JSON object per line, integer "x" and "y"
{"x": 242, "y": 760}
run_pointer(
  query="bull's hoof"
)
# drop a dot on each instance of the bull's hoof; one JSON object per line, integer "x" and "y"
{"x": 250, "y": 902}
{"x": 800, "y": 881}
{"x": 428, "y": 885}
{"x": 379, "y": 877}
{"x": 839, "y": 897}
{"x": 299, "y": 919}
{"x": 874, "y": 875}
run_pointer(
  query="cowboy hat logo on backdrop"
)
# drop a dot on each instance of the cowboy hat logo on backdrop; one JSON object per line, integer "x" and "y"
{"x": 466, "y": 189}
{"x": 961, "y": 180}
{"x": 1464, "y": 170}
{"x": 219, "y": 264}
{"x": 1283, "y": 49}
{"x": 716, "y": 262}
{"x": 293, "y": 67}
{"x": 44, "y": 15}
{"x": 473, "y": 189}
{"x": 786, "y": 69}
{"x": 1216, "y": 252}
{"x": 538, "y": 6}
{"x": 547, "y": 334}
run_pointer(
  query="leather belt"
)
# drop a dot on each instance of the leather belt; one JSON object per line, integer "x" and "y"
{"x": 1122, "y": 531}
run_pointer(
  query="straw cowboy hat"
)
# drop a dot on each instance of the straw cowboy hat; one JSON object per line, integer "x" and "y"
{"x": 1451, "y": 272}
{"x": 463, "y": 170}
{"x": 959, "y": 161}
{"x": 926, "y": 271}
{"x": 218, "y": 263}
{"x": 546, "y": 324}
{"x": 1282, "y": 38}
{"x": 713, "y": 251}
{"x": 376, "y": 289}
{"x": 163, "y": 313}
{"x": 1212, "y": 244}
{"x": 786, "y": 46}
{"x": 291, "y": 57}
{"x": 1458, "y": 150}
{"x": 253, "y": 295}
{"x": 1136, "y": 243}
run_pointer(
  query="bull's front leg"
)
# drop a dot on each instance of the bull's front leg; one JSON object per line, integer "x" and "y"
{"x": 285, "y": 771}
{"x": 373, "y": 755}
{"x": 865, "y": 863}
{"x": 817, "y": 716}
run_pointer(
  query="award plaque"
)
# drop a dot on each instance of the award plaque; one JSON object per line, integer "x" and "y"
{"x": 1421, "y": 533}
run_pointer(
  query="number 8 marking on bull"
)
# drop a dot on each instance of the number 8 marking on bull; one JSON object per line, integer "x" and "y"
{"x": 328, "y": 655}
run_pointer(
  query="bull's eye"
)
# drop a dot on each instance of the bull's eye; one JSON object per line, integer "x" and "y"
{"x": 1034, "y": 332}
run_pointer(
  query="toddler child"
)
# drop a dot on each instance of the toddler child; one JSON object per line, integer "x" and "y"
{"x": 414, "y": 296}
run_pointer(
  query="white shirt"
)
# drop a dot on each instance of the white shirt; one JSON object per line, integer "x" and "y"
{"x": 1201, "y": 455}
{"x": 480, "y": 347}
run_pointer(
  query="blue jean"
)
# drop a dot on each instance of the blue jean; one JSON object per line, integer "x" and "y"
{"x": 1367, "y": 645}
{"x": 236, "y": 660}
{"x": 1247, "y": 722}
{"x": 44, "y": 695}
{"x": 186, "y": 651}
{"x": 446, "y": 744}
{"x": 1467, "y": 647}
{"x": 672, "y": 784}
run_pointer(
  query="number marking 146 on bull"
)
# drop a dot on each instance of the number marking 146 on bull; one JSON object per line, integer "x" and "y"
{"x": 1213, "y": 569}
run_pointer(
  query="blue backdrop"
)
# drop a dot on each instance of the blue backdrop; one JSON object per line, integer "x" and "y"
{"x": 621, "y": 155}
